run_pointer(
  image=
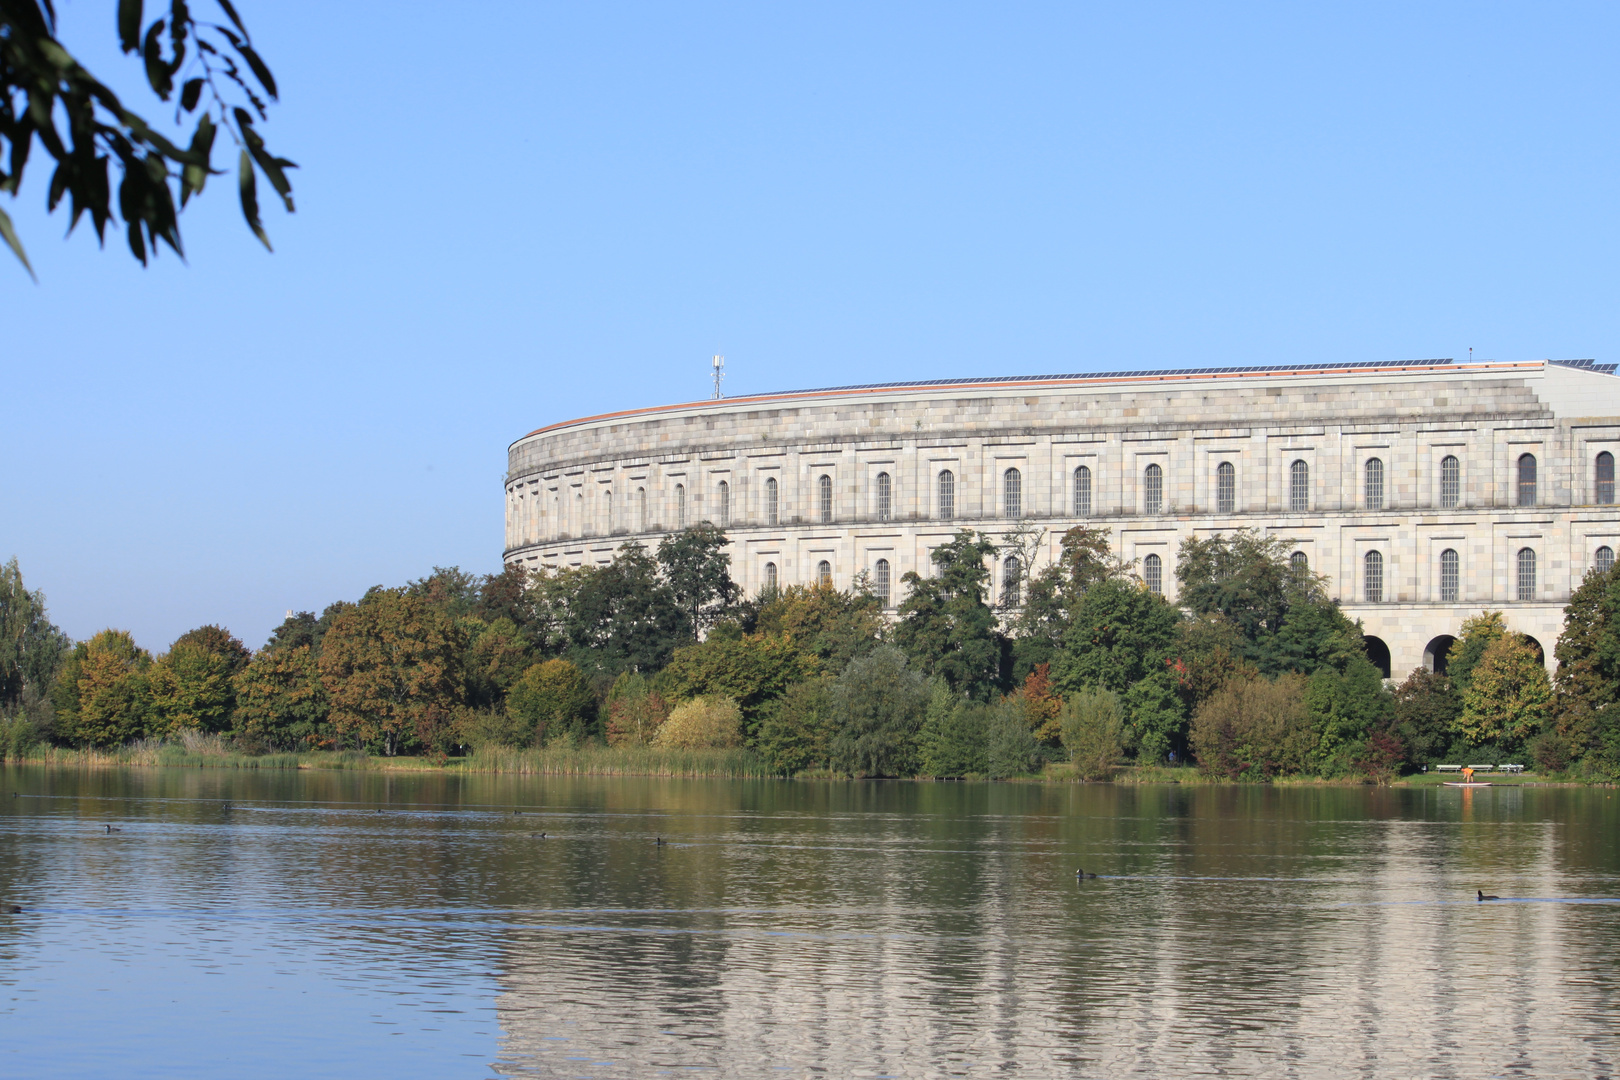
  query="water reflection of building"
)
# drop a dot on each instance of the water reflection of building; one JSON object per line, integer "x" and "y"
{"x": 1255, "y": 935}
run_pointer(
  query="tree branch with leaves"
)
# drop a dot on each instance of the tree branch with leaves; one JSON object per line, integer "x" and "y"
{"x": 49, "y": 97}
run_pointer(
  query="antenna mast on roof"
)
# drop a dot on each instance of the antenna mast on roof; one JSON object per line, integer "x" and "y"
{"x": 719, "y": 373}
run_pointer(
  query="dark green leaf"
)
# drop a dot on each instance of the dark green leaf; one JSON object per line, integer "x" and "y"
{"x": 260, "y": 71}
{"x": 189, "y": 94}
{"x": 136, "y": 243}
{"x": 230, "y": 12}
{"x": 249, "y": 188}
{"x": 9, "y": 235}
{"x": 194, "y": 176}
{"x": 157, "y": 72}
{"x": 129, "y": 24}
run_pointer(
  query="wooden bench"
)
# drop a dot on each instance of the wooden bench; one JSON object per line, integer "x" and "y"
{"x": 1512, "y": 768}
{"x": 1483, "y": 768}
{"x": 1448, "y": 768}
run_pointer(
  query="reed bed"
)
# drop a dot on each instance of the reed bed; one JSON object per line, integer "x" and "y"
{"x": 734, "y": 764}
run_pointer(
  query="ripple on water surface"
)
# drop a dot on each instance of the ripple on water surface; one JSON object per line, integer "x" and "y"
{"x": 412, "y": 925}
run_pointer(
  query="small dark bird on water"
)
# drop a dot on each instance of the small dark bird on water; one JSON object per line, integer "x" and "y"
{"x": 112, "y": 829}
{"x": 1482, "y": 896}
{"x": 1083, "y": 874}
{"x": 13, "y": 909}
{"x": 541, "y": 835}
{"x": 659, "y": 841}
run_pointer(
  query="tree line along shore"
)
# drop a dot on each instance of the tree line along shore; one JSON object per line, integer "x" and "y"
{"x": 655, "y": 664}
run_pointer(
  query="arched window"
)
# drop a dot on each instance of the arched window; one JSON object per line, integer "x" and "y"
{"x": 1373, "y": 483}
{"x": 824, "y": 574}
{"x": 883, "y": 496}
{"x": 772, "y": 504}
{"x": 1152, "y": 489}
{"x": 1299, "y": 487}
{"x": 1527, "y": 480}
{"x": 947, "y": 494}
{"x": 1153, "y": 574}
{"x": 1082, "y": 492}
{"x": 770, "y": 575}
{"x": 1527, "y": 574}
{"x": 641, "y": 509}
{"x": 1450, "y": 482}
{"x": 1299, "y": 562}
{"x": 1012, "y": 494}
{"x": 824, "y": 495}
{"x": 680, "y": 506}
{"x": 1225, "y": 488}
{"x": 607, "y": 509}
{"x": 1603, "y": 559}
{"x": 725, "y": 505}
{"x": 881, "y": 581}
{"x": 1448, "y": 576}
{"x": 556, "y": 514}
{"x": 1012, "y": 582}
{"x": 1605, "y": 479}
{"x": 579, "y": 514}
{"x": 1372, "y": 577}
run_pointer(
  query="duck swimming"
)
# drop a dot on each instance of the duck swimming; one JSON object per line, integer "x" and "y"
{"x": 1083, "y": 874}
{"x": 1482, "y": 896}
{"x": 113, "y": 829}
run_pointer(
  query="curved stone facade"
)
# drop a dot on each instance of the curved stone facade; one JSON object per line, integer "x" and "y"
{"x": 1426, "y": 491}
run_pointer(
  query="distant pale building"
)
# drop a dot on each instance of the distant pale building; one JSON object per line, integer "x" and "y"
{"x": 1425, "y": 490}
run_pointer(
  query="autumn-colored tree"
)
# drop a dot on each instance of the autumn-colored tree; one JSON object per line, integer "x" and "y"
{"x": 219, "y": 641}
{"x": 1042, "y": 705}
{"x": 392, "y": 667}
{"x": 552, "y": 700}
{"x": 101, "y": 694}
{"x": 1509, "y": 697}
{"x": 1477, "y": 634}
{"x": 635, "y": 711}
{"x": 754, "y": 671}
{"x": 704, "y": 723}
{"x": 281, "y": 702}
{"x": 833, "y": 624}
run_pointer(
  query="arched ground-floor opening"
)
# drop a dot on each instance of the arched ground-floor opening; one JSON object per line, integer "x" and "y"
{"x": 1437, "y": 652}
{"x": 1378, "y": 653}
{"x": 1541, "y": 654}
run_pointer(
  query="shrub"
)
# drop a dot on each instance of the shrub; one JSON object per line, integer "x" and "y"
{"x": 704, "y": 723}
{"x": 635, "y": 711}
{"x": 1254, "y": 728}
{"x": 954, "y": 740}
{"x": 1094, "y": 733}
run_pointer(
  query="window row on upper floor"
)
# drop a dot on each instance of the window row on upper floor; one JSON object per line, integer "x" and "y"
{"x": 1301, "y": 498}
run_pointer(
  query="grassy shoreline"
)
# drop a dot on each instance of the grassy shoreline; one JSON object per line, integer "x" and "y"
{"x": 735, "y": 764}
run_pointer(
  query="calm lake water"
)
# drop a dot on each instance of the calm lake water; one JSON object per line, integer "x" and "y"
{"x": 362, "y": 924}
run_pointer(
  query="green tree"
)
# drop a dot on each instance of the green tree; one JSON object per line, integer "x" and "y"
{"x": 754, "y": 671}
{"x": 1010, "y": 747}
{"x": 1588, "y": 654}
{"x": 1119, "y": 635}
{"x": 879, "y": 703}
{"x": 1476, "y": 636}
{"x": 1242, "y": 576}
{"x": 552, "y": 701}
{"x": 392, "y": 668}
{"x": 1094, "y": 732}
{"x": 795, "y": 736}
{"x": 945, "y": 627}
{"x": 954, "y": 739}
{"x": 221, "y": 81}
{"x": 101, "y": 694}
{"x": 1427, "y": 708}
{"x": 1209, "y": 651}
{"x": 1051, "y": 593}
{"x": 1156, "y": 718}
{"x": 698, "y": 572}
{"x": 498, "y": 653}
{"x": 192, "y": 689}
{"x": 1509, "y": 697}
{"x": 608, "y": 619}
{"x": 281, "y": 702}
{"x": 1345, "y": 708}
{"x": 31, "y": 647}
{"x": 219, "y": 641}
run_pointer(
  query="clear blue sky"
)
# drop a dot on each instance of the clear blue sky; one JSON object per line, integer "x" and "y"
{"x": 512, "y": 214}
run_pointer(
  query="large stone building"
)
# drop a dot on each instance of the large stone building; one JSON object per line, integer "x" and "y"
{"x": 1425, "y": 490}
